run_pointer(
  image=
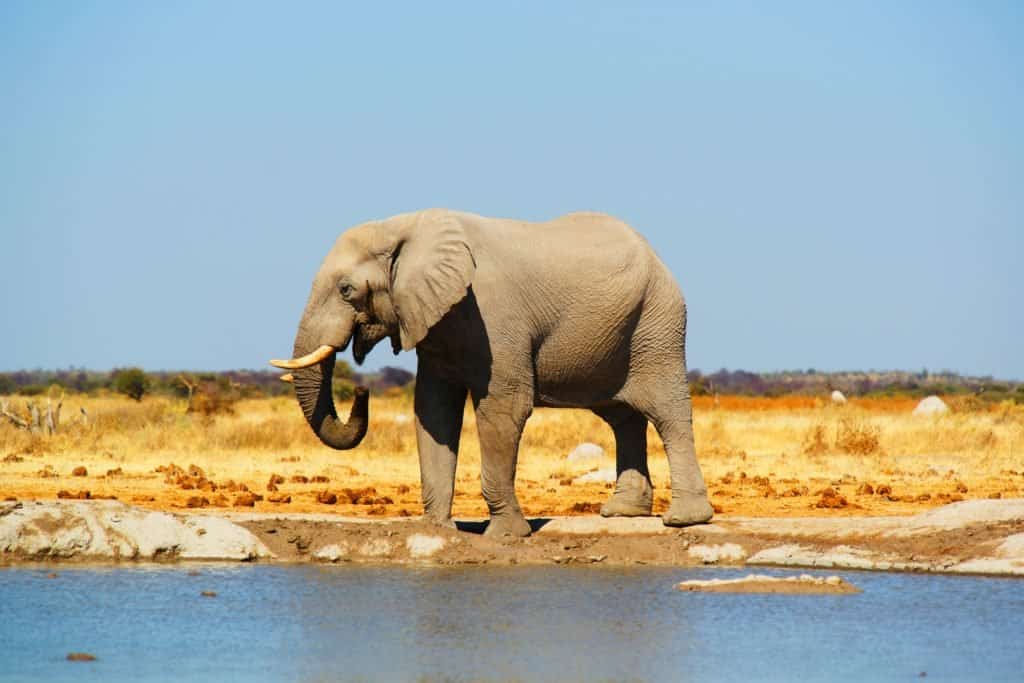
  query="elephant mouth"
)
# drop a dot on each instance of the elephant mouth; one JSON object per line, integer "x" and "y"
{"x": 359, "y": 345}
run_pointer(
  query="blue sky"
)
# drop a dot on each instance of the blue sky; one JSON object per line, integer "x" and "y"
{"x": 838, "y": 187}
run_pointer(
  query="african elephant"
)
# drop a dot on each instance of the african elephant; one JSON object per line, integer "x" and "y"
{"x": 576, "y": 312}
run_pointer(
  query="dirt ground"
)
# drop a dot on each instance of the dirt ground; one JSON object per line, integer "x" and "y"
{"x": 346, "y": 491}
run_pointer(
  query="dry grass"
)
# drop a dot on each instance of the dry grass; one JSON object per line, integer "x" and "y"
{"x": 760, "y": 456}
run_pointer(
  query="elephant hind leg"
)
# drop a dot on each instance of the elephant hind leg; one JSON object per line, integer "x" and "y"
{"x": 633, "y": 495}
{"x": 673, "y": 418}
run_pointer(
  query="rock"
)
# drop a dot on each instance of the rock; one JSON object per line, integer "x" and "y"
{"x": 110, "y": 530}
{"x": 838, "y": 398}
{"x": 80, "y": 657}
{"x": 604, "y": 476}
{"x": 80, "y": 471}
{"x": 586, "y": 453}
{"x": 208, "y": 594}
{"x": 421, "y": 545}
{"x": 760, "y": 583}
{"x": 932, "y": 405}
{"x": 280, "y": 498}
{"x": 299, "y": 479}
{"x": 332, "y": 552}
{"x": 376, "y": 547}
{"x": 77, "y": 495}
{"x": 196, "y": 502}
{"x": 712, "y": 554}
{"x": 865, "y": 489}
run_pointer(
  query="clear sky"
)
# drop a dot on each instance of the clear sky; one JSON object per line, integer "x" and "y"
{"x": 835, "y": 185}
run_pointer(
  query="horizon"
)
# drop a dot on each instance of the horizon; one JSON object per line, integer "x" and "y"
{"x": 928, "y": 372}
{"x": 832, "y": 187}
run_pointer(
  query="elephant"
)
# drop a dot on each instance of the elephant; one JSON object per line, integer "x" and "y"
{"x": 575, "y": 312}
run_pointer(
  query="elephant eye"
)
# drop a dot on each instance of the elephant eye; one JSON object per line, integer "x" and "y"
{"x": 346, "y": 289}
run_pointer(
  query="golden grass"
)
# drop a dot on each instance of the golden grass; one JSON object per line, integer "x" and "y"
{"x": 760, "y": 456}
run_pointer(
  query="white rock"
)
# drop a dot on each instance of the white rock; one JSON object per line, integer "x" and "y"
{"x": 838, "y": 398}
{"x": 376, "y": 547}
{"x": 585, "y": 453}
{"x": 605, "y": 475}
{"x": 112, "y": 530}
{"x": 711, "y": 554}
{"x": 421, "y": 545}
{"x": 932, "y": 405}
{"x": 332, "y": 552}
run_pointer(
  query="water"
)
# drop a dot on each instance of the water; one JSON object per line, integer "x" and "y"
{"x": 309, "y": 623}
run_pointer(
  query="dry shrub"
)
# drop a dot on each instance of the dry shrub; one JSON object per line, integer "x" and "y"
{"x": 273, "y": 433}
{"x": 852, "y": 436}
{"x": 815, "y": 441}
{"x": 715, "y": 441}
{"x": 967, "y": 403}
{"x": 857, "y": 438}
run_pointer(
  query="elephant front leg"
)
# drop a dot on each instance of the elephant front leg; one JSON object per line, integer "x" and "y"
{"x": 500, "y": 425}
{"x": 439, "y": 407}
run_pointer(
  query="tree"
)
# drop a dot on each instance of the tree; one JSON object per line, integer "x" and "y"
{"x": 131, "y": 382}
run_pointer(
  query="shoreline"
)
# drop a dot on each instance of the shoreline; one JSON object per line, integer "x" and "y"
{"x": 971, "y": 537}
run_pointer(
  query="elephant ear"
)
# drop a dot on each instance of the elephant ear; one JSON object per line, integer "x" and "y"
{"x": 433, "y": 268}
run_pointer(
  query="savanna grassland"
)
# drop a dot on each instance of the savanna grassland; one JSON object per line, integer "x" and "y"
{"x": 788, "y": 456}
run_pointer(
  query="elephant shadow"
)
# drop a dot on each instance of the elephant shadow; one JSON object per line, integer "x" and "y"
{"x": 478, "y": 527}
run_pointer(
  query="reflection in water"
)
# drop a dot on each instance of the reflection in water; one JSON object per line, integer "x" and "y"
{"x": 541, "y": 623}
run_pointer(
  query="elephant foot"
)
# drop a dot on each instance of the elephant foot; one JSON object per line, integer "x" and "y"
{"x": 508, "y": 524}
{"x": 633, "y": 497}
{"x": 445, "y": 522}
{"x": 688, "y": 509}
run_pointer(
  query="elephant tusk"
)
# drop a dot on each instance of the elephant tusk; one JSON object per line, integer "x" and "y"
{"x": 287, "y": 378}
{"x": 314, "y": 358}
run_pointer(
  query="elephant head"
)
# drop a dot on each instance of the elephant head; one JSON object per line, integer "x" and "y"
{"x": 394, "y": 278}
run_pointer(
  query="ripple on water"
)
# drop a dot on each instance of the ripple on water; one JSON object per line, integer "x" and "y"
{"x": 270, "y": 623}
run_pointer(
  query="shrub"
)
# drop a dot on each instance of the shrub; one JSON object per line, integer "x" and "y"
{"x": 344, "y": 389}
{"x": 132, "y": 382}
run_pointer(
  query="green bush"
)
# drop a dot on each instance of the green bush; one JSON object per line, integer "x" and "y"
{"x": 344, "y": 390}
{"x": 132, "y": 382}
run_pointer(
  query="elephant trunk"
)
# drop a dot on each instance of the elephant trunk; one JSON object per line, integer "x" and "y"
{"x": 313, "y": 388}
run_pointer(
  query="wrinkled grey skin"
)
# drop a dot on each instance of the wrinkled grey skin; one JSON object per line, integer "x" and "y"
{"x": 576, "y": 312}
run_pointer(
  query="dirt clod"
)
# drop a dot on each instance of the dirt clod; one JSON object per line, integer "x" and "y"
{"x": 80, "y": 657}
{"x": 245, "y": 499}
{"x": 327, "y": 498}
{"x": 80, "y": 471}
{"x": 831, "y": 499}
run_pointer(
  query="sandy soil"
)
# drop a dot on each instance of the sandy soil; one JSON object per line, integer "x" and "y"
{"x": 344, "y": 490}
